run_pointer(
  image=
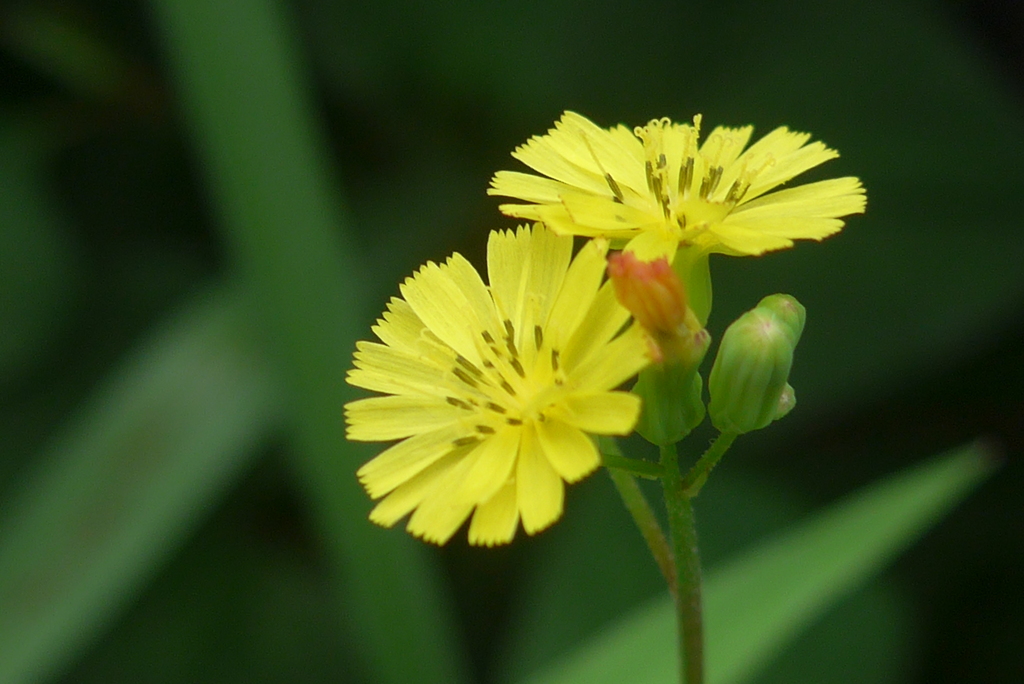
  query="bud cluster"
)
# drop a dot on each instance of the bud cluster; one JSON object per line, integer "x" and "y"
{"x": 749, "y": 381}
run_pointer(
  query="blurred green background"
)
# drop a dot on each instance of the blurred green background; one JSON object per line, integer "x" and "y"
{"x": 202, "y": 207}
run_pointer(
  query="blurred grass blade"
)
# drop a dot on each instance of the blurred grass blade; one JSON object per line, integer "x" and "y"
{"x": 757, "y": 603}
{"x": 245, "y": 99}
{"x": 133, "y": 472}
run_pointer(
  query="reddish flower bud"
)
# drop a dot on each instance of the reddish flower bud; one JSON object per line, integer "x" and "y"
{"x": 653, "y": 293}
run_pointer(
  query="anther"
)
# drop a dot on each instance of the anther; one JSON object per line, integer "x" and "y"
{"x": 458, "y": 402}
{"x": 616, "y": 190}
{"x": 737, "y": 191}
{"x": 497, "y": 408}
{"x": 468, "y": 365}
{"x": 507, "y": 387}
{"x": 538, "y": 336}
{"x": 686, "y": 177}
{"x": 710, "y": 183}
{"x": 513, "y": 421}
{"x": 554, "y": 359}
{"x": 464, "y": 377}
{"x": 465, "y": 441}
{"x": 518, "y": 367}
{"x": 485, "y": 429}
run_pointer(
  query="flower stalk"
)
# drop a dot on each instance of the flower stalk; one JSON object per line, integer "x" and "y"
{"x": 686, "y": 556}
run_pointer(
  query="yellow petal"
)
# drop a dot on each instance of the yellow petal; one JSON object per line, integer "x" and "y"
{"x": 577, "y": 294}
{"x": 530, "y": 212}
{"x": 495, "y": 521}
{"x": 443, "y": 308}
{"x": 653, "y": 244}
{"x": 506, "y": 252}
{"x": 405, "y": 498}
{"x": 780, "y": 156}
{"x": 526, "y": 186}
{"x": 539, "y": 489}
{"x": 399, "y": 327}
{"x": 723, "y": 145}
{"x": 612, "y": 364}
{"x": 563, "y": 156}
{"x": 404, "y": 460}
{"x": 383, "y": 369}
{"x": 824, "y": 199}
{"x": 547, "y": 264}
{"x": 439, "y": 515}
{"x": 570, "y": 452}
{"x": 737, "y": 240}
{"x": 395, "y": 417}
{"x": 467, "y": 280}
{"x": 601, "y": 413}
{"x": 606, "y": 215}
{"x": 491, "y": 467}
{"x": 605, "y": 318}
{"x": 604, "y": 151}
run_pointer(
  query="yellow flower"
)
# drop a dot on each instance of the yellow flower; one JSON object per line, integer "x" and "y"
{"x": 492, "y": 389}
{"x": 658, "y": 189}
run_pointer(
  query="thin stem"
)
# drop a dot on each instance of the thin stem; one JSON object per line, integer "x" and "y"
{"x": 631, "y": 466}
{"x": 682, "y": 528}
{"x": 698, "y": 474}
{"x": 643, "y": 516}
{"x": 637, "y": 505}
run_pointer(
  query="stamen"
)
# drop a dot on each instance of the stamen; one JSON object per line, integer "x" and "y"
{"x": 487, "y": 337}
{"x": 458, "y": 402}
{"x": 497, "y": 408}
{"x": 737, "y": 191}
{"x": 507, "y": 387}
{"x": 649, "y": 170}
{"x": 554, "y": 359}
{"x": 468, "y": 365}
{"x": 465, "y": 441}
{"x": 465, "y": 377}
{"x": 513, "y": 421}
{"x": 710, "y": 182}
{"x": 538, "y": 336}
{"x": 510, "y": 335}
{"x": 518, "y": 367}
{"x": 485, "y": 429}
{"x": 616, "y": 190}
{"x": 686, "y": 177}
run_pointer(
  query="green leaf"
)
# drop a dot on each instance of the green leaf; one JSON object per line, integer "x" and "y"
{"x": 256, "y": 134}
{"x": 757, "y": 603}
{"x": 127, "y": 479}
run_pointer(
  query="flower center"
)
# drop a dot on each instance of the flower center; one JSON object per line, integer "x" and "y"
{"x": 509, "y": 389}
{"x": 686, "y": 181}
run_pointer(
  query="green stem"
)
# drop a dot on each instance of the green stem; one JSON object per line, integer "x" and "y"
{"x": 643, "y": 516}
{"x": 683, "y": 531}
{"x": 698, "y": 474}
{"x": 622, "y": 471}
{"x": 631, "y": 466}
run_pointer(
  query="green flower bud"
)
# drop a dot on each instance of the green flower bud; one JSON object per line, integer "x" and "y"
{"x": 672, "y": 402}
{"x": 788, "y": 312}
{"x": 787, "y": 402}
{"x": 749, "y": 379}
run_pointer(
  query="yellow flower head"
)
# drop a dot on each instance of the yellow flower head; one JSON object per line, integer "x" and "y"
{"x": 492, "y": 389}
{"x": 659, "y": 188}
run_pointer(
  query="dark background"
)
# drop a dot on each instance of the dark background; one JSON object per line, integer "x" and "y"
{"x": 914, "y": 341}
